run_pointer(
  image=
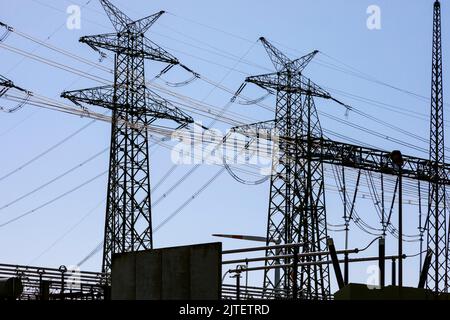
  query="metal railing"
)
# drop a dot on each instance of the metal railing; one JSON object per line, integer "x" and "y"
{"x": 57, "y": 284}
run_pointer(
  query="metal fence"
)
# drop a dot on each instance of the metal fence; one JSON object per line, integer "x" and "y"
{"x": 58, "y": 284}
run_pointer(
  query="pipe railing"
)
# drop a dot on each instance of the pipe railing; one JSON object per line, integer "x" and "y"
{"x": 51, "y": 283}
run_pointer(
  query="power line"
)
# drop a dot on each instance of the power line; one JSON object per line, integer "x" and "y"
{"x": 190, "y": 199}
{"x": 73, "y": 169}
{"x": 27, "y": 213}
{"x": 47, "y": 151}
{"x": 167, "y": 219}
{"x": 65, "y": 234}
{"x": 165, "y": 90}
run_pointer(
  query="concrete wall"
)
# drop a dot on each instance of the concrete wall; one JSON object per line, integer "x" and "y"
{"x": 188, "y": 272}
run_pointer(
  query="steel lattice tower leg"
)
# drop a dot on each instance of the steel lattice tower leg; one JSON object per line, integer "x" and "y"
{"x": 296, "y": 206}
{"x": 313, "y": 227}
{"x": 128, "y": 223}
{"x": 437, "y": 233}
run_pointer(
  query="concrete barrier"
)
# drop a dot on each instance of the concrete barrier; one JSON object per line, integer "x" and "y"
{"x": 176, "y": 273}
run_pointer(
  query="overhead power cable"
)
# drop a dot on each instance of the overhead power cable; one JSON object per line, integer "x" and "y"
{"x": 47, "y": 151}
{"x": 221, "y": 87}
{"x": 65, "y": 234}
{"x": 45, "y": 204}
{"x": 73, "y": 169}
{"x": 166, "y": 220}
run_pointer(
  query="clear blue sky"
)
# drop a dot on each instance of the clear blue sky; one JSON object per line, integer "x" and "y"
{"x": 399, "y": 54}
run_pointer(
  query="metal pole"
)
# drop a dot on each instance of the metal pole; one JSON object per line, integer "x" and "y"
{"x": 381, "y": 261}
{"x": 425, "y": 268}
{"x": 393, "y": 272}
{"x": 41, "y": 291}
{"x": 346, "y": 264}
{"x": 63, "y": 270}
{"x": 400, "y": 231}
{"x": 238, "y": 286}
{"x": 277, "y": 272}
{"x": 246, "y": 279}
{"x": 335, "y": 260}
{"x": 344, "y": 191}
{"x": 295, "y": 275}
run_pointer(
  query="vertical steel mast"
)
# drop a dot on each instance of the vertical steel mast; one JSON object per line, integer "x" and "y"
{"x": 437, "y": 228}
{"x": 128, "y": 224}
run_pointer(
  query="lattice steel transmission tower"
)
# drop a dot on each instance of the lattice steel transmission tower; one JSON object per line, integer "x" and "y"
{"x": 296, "y": 205}
{"x": 437, "y": 224}
{"x": 128, "y": 224}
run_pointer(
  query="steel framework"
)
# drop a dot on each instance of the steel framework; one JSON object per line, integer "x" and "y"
{"x": 437, "y": 225}
{"x": 296, "y": 204}
{"x": 128, "y": 224}
{"x": 297, "y": 209}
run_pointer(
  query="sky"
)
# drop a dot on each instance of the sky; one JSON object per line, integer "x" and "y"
{"x": 219, "y": 41}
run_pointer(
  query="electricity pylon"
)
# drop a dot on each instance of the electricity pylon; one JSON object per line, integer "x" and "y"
{"x": 437, "y": 225}
{"x": 296, "y": 205}
{"x": 128, "y": 224}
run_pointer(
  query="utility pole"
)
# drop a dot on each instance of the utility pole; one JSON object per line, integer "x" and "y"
{"x": 128, "y": 223}
{"x": 437, "y": 228}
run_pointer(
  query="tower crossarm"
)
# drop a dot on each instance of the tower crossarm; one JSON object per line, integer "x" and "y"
{"x": 104, "y": 96}
{"x": 142, "y": 25}
{"x": 290, "y": 83}
{"x": 159, "y": 107}
{"x": 299, "y": 64}
{"x": 148, "y": 50}
{"x": 98, "y": 96}
{"x": 259, "y": 130}
{"x": 106, "y": 41}
{"x": 154, "y": 52}
{"x": 6, "y": 84}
